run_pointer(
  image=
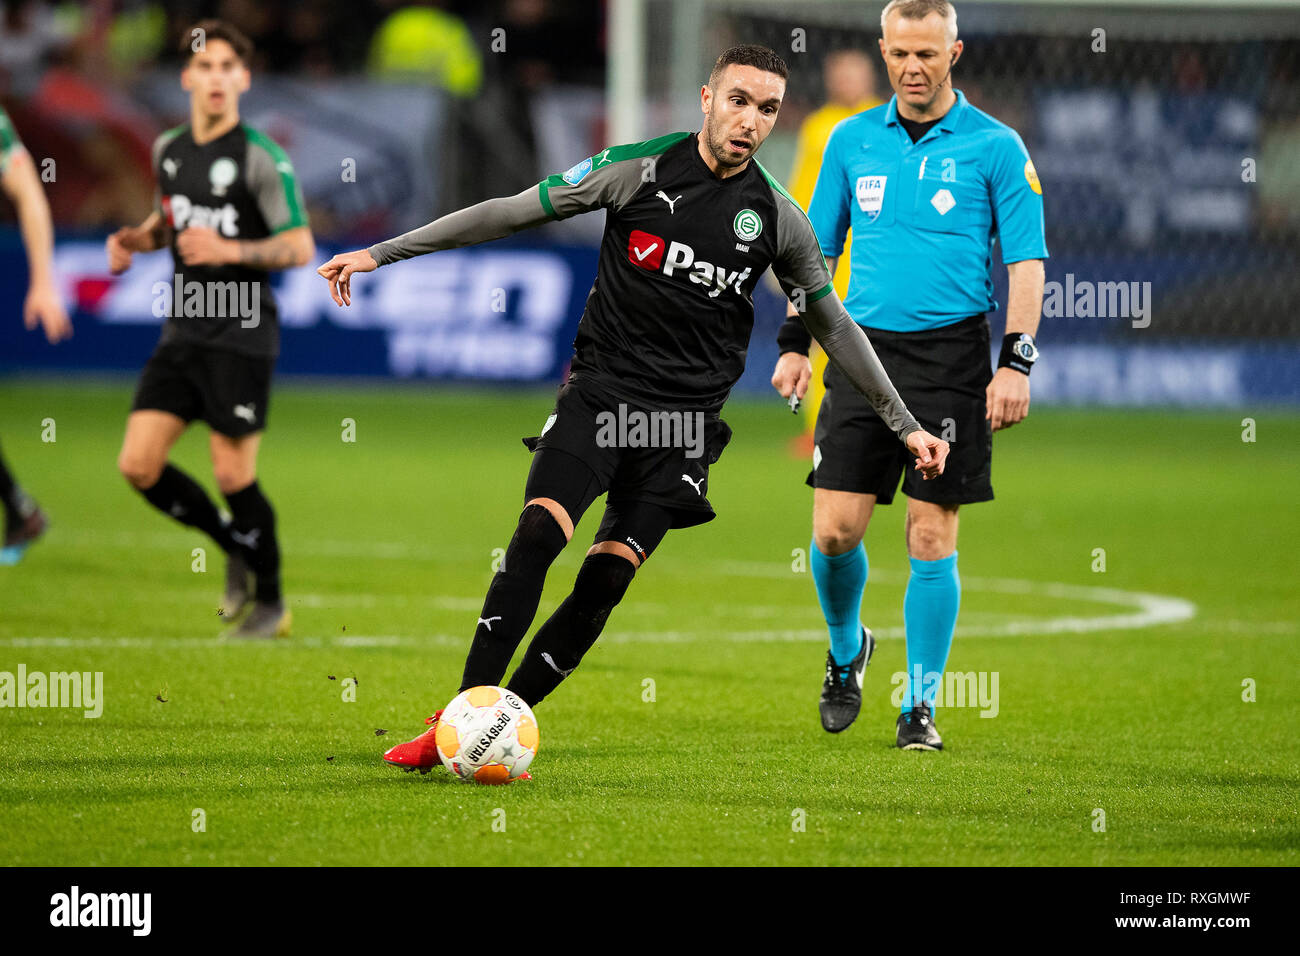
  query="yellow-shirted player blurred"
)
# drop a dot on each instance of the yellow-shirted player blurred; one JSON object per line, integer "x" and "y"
{"x": 850, "y": 88}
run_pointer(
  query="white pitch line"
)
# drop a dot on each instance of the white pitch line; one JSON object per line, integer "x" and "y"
{"x": 1142, "y": 609}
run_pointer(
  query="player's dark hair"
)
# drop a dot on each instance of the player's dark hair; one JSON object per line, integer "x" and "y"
{"x": 213, "y": 29}
{"x": 748, "y": 54}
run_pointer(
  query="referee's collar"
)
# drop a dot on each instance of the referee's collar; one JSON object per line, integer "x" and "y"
{"x": 946, "y": 124}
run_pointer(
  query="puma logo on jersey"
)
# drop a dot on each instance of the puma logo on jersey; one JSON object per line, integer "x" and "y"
{"x": 672, "y": 203}
{"x": 224, "y": 220}
{"x": 603, "y": 158}
{"x": 487, "y": 621}
{"x": 170, "y": 167}
{"x": 647, "y": 251}
{"x": 246, "y": 413}
{"x": 694, "y": 484}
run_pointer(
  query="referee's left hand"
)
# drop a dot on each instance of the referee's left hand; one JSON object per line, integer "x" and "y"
{"x": 1007, "y": 398}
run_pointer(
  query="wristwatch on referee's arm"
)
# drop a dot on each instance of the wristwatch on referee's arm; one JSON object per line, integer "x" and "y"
{"x": 1018, "y": 352}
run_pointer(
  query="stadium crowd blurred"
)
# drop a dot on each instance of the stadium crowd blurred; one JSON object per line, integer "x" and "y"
{"x": 1172, "y": 148}
{"x": 85, "y": 82}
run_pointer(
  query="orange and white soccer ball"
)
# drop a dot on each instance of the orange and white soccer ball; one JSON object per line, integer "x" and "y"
{"x": 487, "y": 735}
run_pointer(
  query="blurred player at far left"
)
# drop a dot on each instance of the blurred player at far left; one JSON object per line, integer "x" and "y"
{"x": 24, "y": 521}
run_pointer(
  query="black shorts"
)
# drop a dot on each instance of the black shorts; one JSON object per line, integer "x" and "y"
{"x": 665, "y": 464}
{"x": 941, "y": 374}
{"x": 228, "y": 390}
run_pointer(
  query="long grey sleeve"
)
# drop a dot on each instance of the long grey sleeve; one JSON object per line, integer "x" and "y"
{"x": 602, "y": 181}
{"x": 803, "y": 275}
{"x": 848, "y": 347}
{"x": 493, "y": 219}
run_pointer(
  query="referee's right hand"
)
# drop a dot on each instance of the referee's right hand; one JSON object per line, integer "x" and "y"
{"x": 339, "y": 272}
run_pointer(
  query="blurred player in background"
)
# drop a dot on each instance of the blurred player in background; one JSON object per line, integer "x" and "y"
{"x": 850, "y": 82}
{"x": 926, "y": 183}
{"x": 231, "y": 209}
{"x": 24, "y": 521}
{"x": 692, "y": 224}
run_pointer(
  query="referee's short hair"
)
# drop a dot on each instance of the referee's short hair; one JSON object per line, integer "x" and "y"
{"x": 748, "y": 54}
{"x": 919, "y": 10}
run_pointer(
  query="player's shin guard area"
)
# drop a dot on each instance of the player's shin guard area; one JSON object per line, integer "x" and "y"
{"x": 512, "y": 598}
{"x": 179, "y": 496}
{"x": 569, "y": 633}
{"x": 252, "y": 526}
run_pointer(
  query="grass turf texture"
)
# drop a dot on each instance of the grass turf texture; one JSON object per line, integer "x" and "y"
{"x": 388, "y": 546}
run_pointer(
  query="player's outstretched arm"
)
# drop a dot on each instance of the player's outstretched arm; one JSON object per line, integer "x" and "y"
{"x": 493, "y": 219}
{"x": 42, "y": 305}
{"x": 847, "y": 346}
{"x": 802, "y": 272}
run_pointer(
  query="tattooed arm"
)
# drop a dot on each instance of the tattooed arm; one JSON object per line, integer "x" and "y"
{"x": 287, "y": 250}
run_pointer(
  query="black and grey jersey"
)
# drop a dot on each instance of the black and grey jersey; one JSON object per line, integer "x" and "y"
{"x": 242, "y": 185}
{"x": 668, "y": 320}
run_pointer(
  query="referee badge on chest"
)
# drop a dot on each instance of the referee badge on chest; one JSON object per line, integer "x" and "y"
{"x": 871, "y": 195}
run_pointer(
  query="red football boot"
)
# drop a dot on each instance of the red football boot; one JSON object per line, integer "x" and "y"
{"x": 419, "y": 754}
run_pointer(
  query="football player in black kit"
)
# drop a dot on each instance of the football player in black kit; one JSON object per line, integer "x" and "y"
{"x": 231, "y": 210}
{"x": 692, "y": 223}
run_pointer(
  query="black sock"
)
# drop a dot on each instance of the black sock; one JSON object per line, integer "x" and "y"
{"x": 560, "y": 643}
{"x": 11, "y": 497}
{"x": 181, "y": 497}
{"x": 252, "y": 526}
{"x": 511, "y": 601}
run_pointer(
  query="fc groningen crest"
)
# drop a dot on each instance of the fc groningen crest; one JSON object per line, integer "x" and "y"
{"x": 747, "y": 225}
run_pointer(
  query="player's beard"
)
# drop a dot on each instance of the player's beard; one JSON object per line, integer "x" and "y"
{"x": 718, "y": 143}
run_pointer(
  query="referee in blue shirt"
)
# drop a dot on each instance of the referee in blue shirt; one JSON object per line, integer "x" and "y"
{"x": 926, "y": 182}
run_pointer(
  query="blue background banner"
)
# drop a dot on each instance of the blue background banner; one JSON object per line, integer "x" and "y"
{"x": 508, "y": 311}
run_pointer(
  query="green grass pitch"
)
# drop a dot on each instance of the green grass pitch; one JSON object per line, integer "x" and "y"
{"x": 389, "y": 543}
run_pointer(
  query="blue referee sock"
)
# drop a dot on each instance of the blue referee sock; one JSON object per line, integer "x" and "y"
{"x": 929, "y": 615}
{"x": 840, "y": 581}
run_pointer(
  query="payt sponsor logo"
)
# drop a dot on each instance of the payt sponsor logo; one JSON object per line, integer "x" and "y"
{"x": 653, "y": 253}
{"x": 181, "y": 213}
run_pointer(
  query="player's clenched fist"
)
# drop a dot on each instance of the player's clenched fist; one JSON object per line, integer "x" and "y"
{"x": 930, "y": 452}
{"x": 339, "y": 272}
{"x": 122, "y": 244}
{"x": 200, "y": 246}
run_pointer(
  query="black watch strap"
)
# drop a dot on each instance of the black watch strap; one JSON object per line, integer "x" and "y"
{"x": 1018, "y": 352}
